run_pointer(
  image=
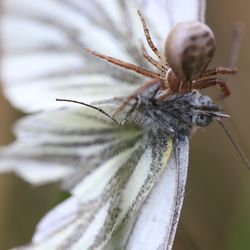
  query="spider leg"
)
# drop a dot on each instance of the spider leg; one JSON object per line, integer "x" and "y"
{"x": 134, "y": 95}
{"x": 152, "y": 60}
{"x": 126, "y": 65}
{"x": 236, "y": 41}
{"x": 219, "y": 70}
{"x": 164, "y": 95}
{"x": 206, "y": 83}
{"x": 148, "y": 37}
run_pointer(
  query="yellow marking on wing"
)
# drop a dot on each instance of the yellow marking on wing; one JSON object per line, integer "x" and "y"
{"x": 168, "y": 151}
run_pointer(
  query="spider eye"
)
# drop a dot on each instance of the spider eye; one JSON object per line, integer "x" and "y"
{"x": 205, "y": 100}
{"x": 201, "y": 120}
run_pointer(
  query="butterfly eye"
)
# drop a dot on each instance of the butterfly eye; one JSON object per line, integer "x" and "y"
{"x": 190, "y": 46}
{"x": 205, "y": 100}
{"x": 201, "y": 120}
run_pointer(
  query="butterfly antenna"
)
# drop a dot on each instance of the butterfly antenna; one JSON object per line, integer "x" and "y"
{"x": 235, "y": 145}
{"x": 90, "y": 106}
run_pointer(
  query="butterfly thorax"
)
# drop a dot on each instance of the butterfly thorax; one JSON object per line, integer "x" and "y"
{"x": 177, "y": 114}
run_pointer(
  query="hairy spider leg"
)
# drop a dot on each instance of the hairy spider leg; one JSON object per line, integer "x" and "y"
{"x": 206, "y": 83}
{"x": 202, "y": 82}
{"x": 148, "y": 37}
{"x": 219, "y": 70}
{"x": 126, "y": 65}
{"x": 151, "y": 60}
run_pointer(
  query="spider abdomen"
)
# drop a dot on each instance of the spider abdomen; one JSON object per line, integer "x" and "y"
{"x": 190, "y": 47}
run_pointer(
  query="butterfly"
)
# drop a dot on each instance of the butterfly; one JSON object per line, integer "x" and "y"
{"x": 127, "y": 183}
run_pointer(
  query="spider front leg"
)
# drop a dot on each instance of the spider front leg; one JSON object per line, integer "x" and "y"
{"x": 206, "y": 83}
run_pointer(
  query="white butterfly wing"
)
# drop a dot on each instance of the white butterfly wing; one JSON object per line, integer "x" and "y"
{"x": 87, "y": 222}
{"x": 156, "y": 225}
{"x": 67, "y": 143}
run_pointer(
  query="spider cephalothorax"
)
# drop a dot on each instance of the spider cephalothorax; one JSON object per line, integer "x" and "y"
{"x": 190, "y": 46}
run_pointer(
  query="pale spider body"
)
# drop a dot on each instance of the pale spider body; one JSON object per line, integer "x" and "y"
{"x": 190, "y": 47}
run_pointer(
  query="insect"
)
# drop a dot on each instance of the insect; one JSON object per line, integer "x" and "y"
{"x": 189, "y": 48}
{"x": 164, "y": 103}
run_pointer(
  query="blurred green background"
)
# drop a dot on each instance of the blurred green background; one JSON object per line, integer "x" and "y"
{"x": 216, "y": 212}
